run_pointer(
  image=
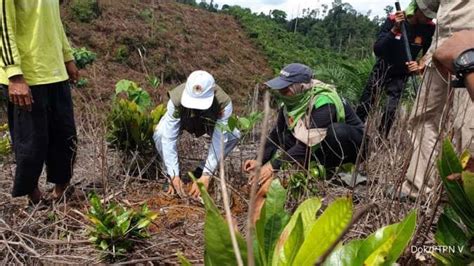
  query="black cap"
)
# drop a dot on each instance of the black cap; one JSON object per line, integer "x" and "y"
{"x": 291, "y": 74}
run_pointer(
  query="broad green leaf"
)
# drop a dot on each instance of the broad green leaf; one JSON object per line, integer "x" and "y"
{"x": 122, "y": 218}
{"x": 95, "y": 203}
{"x": 447, "y": 165}
{"x": 103, "y": 245}
{"x": 232, "y": 122}
{"x": 218, "y": 249}
{"x": 286, "y": 253}
{"x": 124, "y": 226}
{"x": 273, "y": 219}
{"x": 398, "y": 235}
{"x": 152, "y": 215}
{"x": 380, "y": 255}
{"x": 448, "y": 233}
{"x": 468, "y": 184}
{"x": 244, "y": 123}
{"x": 142, "y": 223}
{"x": 344, "y": 255}
{"x": 325, "y": 231}
{"x": 449, "y": 162}
{"x": 93, "y": 219}
{"x": 295, "y": 241}
{"x": 157, "y": 113}
{"x": 124, "y": 86}
{"x": 307, "y": 211}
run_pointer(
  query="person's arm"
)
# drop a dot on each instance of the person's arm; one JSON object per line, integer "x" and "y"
{"x": 215, "y": 149}
{"x": 68, "y": 56}
{"x": 386, "y": 38}
{"x": 18, "y": 90}
{"x": 168, "y": 129}
{"x": 11, "y": 61}
{"x": 450, "y": 50}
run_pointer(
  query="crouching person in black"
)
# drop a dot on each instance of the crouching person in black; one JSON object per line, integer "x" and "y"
{"x": 314, "y": 123}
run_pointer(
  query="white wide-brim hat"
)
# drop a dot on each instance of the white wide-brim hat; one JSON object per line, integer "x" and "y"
{"x": 199, "y": 91}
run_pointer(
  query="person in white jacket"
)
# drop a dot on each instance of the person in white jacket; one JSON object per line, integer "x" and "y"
{"x": 200, "y": 107}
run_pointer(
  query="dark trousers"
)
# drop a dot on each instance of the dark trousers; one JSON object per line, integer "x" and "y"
{"x": 341, "y": 145}
{"x": 393, "y": 87}
{"x": 46, "y": 135}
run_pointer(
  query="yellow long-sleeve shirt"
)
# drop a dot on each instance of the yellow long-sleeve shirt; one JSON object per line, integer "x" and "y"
{"x": 33, "y": 42}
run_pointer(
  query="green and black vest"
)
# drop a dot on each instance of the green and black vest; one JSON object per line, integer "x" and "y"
{"x": 199, "y": 122}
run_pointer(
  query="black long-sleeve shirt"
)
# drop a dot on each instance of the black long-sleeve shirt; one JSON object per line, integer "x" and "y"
{"x": 282, "y": 137}
{"x": 390, "y": 51}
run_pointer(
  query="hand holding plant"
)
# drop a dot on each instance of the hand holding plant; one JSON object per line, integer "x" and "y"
{"x": 249, "y": 165}
{"x": 194, "y": 192}
{"x": 266, "y": 173}
{"x": 176, "y": 186}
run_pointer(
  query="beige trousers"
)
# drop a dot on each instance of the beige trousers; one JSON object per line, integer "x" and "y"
{"x": 433, "y": 117}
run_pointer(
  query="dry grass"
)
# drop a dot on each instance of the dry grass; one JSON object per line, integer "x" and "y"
{"x": 58, "y": 233}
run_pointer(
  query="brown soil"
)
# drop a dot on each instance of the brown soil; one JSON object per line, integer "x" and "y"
{"x": 173, "y": 39}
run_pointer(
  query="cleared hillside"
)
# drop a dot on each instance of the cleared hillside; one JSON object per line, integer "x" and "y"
{"x": 136, "y": 39}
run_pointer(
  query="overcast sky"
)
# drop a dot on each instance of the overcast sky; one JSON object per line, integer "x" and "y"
{"x": 291, "y": 7}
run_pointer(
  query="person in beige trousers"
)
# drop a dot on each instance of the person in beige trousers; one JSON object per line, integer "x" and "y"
{"x": 439, "y": 110}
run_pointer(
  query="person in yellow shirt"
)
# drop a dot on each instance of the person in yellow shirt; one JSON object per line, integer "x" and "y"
{"x": 37, "y": 64}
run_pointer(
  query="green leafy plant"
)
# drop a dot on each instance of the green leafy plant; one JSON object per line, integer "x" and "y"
{"x": 5, "y": 145}
{"x": 303, "y": 184}
{"x": 83, "y": 57}
{"x": 244, "y": 124}
{"x": 456, "y": 224}
{"x": 131, "y": 123}
{"x": 349, "y": 78}
{"x": 133, "y": 93}
{"x": 114, "y": 228}
{"x": 146, "y": 14}
{"x": 154, "y": 81}
{"x": 383, "y": 247}
{"x": 85, "y": 10}
{"x": 303, "y": 238}
{"x": 82, "y": 82}
{"x": 121, "y": 54}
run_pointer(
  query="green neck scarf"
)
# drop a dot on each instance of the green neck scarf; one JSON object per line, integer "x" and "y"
{"x": 297, "y": 105}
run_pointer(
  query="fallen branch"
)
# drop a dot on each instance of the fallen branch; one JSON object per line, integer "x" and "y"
{"x": 23, "y": 245}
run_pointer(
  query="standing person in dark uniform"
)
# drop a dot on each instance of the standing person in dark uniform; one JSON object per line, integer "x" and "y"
{"x": 391, "y": 69}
